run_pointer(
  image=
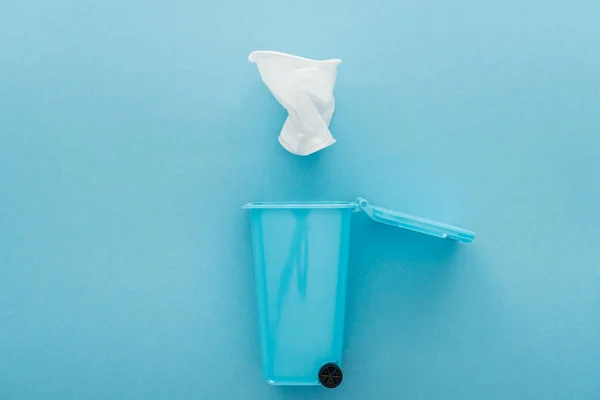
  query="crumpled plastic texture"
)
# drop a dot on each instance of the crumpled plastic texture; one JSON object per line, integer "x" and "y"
{"x": 304, "y": 88}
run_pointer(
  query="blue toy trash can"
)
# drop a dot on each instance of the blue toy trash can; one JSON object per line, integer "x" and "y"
{"x": 301, "y": 263}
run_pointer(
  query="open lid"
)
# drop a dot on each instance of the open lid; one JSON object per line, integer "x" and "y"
{"x": 416, "y": 224}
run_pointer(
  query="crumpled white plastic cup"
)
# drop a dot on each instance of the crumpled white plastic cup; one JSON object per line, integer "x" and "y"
{"x": 305, "y": 88}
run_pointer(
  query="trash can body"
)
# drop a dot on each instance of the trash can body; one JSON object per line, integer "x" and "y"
{"x": 301, "y": 264}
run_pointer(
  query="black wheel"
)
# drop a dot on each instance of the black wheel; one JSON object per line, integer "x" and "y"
{"x": 330, "y": 376}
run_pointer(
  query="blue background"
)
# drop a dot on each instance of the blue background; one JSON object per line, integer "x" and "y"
{"x": 131, "y": 132}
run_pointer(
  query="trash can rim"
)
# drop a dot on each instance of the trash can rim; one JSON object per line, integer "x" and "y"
{"x": 300, "y": 205}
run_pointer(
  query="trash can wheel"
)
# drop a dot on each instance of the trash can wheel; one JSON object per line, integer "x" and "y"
{"x": 330, "y": 375}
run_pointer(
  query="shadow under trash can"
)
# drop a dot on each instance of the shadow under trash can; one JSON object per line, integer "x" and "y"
{"x": 301, "y": 263}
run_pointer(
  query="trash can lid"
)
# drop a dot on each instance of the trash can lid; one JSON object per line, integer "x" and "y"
{"x": 418, "y": 224}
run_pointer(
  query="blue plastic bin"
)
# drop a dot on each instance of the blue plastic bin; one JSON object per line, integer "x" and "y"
{"x": 301, "y": 263}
